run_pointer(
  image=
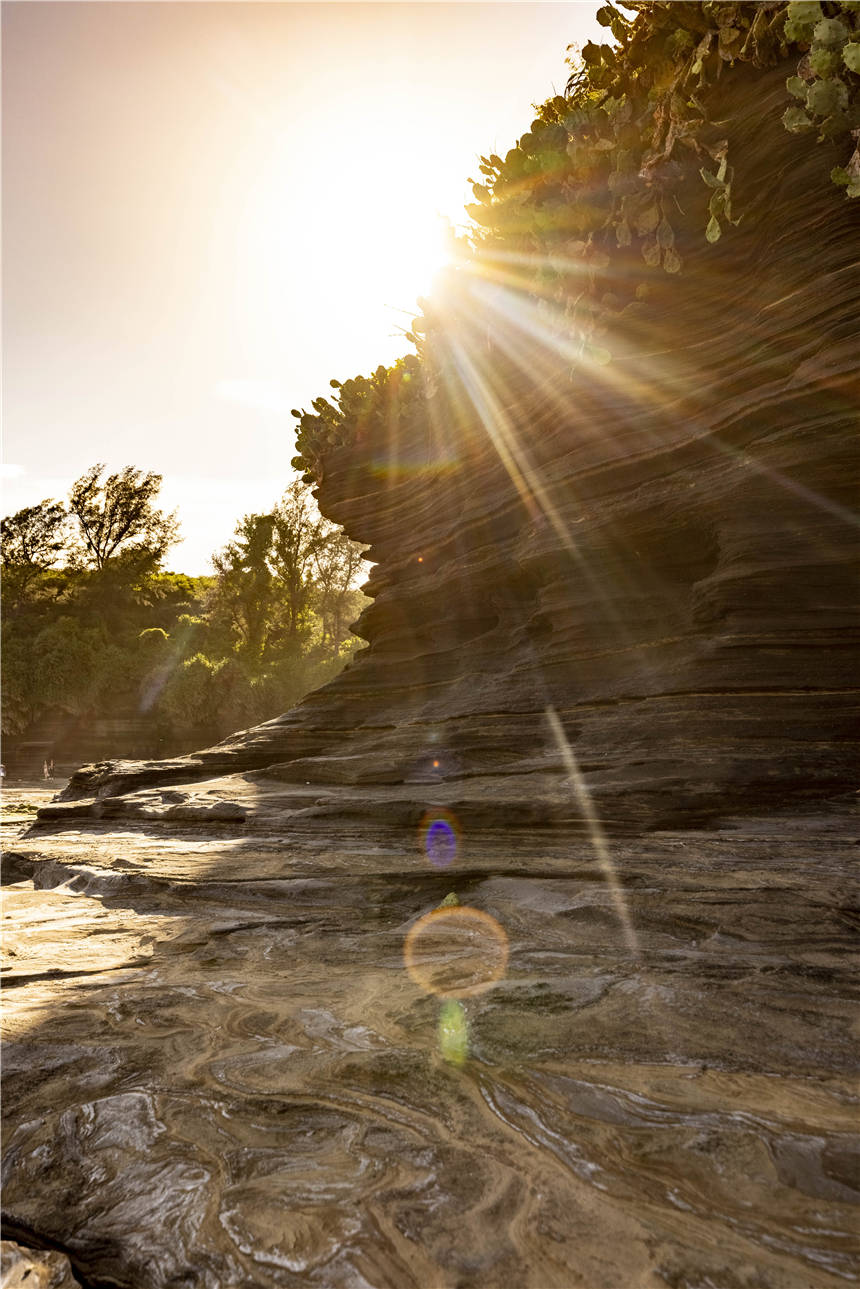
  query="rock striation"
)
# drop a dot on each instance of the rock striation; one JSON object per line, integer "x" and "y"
{"x": 611, "y": 657}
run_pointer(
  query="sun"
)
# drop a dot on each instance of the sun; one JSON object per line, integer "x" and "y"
{"x": 408, "y": 254}
{"x": 372, "y": 239}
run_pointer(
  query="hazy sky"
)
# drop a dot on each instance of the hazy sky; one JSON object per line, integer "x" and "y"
{"x": 209, "y": 210}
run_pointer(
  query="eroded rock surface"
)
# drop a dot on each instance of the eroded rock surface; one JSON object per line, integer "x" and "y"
{"x": 219, "y": 1071}
{"x": 23, "y": 1268}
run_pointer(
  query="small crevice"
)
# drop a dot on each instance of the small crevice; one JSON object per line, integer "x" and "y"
{"x": 33, "y": 1241}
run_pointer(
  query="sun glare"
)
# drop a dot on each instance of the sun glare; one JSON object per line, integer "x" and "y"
{"x": 409, "y": 254}
{"x": 372, "y": 239}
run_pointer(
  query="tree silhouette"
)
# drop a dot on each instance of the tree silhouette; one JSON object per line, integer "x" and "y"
{"x": 116, "y": 516}
{"x": 33, "y": 540}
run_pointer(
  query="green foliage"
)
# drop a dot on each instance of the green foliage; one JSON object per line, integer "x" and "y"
{"x": 363, "y": 407}
{"x": 19, "y": 697}
{"x": 801, "y": 17}
{"x": 720, "y": 203}
{"x": 286, "y": 585}
{"x": 116, "y": 519}
{"x": 274, "y": 625}
{"x": 198, "y": 657}
{"x": 337, "y": 563}
{"x": 190, "y": 697}
{"x": 171, "y": 593}
{"x": 635, "y": 110}
{"x": 153, "y": 638}
{"x": 36, "y": 535}
{"x": 243, "y": 594}
{"x": 299, "y": 534}
{"x": 844, "y": 178}
{"x": 827, "y": 75}
{"x": 67, "y": 662}
{"x": 33, "y": 540}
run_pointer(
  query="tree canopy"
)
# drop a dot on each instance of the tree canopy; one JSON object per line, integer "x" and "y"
{"x": 33, "y": 540}
{"x": 115, "y": 516}
{"x": 93, "y": 628}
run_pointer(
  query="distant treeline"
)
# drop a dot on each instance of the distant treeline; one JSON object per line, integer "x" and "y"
{"x": 94, "y": 632}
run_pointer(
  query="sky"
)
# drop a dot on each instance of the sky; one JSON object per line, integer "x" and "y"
{"x": 210, "y": 210}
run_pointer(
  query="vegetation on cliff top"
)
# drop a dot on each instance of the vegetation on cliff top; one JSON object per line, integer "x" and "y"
{"x": 599, "y": 168}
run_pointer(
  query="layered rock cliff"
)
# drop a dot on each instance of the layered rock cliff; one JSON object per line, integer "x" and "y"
{"x": 661, "y": 548}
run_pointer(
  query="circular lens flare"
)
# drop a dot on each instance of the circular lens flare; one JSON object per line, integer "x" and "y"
{"x": 439, "y": 831}
{"x": 456, "y": 952}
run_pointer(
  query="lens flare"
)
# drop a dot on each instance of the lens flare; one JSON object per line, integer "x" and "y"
{"x": 453, "y": 1032}
{"x": 440, "y": 837}
{"x": 456, "y": 952}
{"x": 595, "y": 830}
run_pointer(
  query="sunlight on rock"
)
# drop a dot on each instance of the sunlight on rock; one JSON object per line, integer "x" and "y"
{"x": 601, "y": 688}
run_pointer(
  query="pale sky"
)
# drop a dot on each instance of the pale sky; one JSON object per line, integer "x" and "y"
{"x": 209, "y": 210}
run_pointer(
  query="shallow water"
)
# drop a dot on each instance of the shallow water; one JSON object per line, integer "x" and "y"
{"x": 219, "y": 1071}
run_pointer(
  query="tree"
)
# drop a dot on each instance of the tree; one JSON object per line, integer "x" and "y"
{"x": 105, "y": 634}
{"x": 244, "y": 593}
{"x": 70, "y": 662}
{"x": 284, "y": 597}
{"x": 33, "y": 540}
{"x": 337, "y": 565}
{"x": 116, "y": 517}
{"x": 190, "y": 697}
{"x": 19, "y": 697}
{"x": 299, "y": 535}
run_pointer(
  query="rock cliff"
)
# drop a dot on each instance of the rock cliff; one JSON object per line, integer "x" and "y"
{"x": 662, "y": 549}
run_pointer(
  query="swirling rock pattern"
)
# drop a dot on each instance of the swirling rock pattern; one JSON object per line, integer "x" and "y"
{"x": 219, "y": 1072}
{"x": 610, "y": 651}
